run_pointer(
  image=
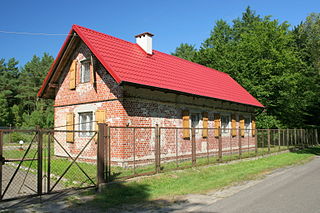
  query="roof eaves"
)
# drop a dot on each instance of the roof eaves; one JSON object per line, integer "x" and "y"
{"x": 185, "y": 93}
{"x": 53, "y": 65}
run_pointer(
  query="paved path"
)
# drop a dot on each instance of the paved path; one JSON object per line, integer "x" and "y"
{"x": 23, "y": 184}
{"x": 293, "y": 190}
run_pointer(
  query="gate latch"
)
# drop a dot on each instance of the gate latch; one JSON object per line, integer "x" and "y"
{"x": 2, "y": 160}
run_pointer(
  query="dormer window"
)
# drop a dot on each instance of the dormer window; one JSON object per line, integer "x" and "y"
{"x": 85, "y": 71}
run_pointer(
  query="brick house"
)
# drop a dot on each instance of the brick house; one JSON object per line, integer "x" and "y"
{"x": 100, "y": 78}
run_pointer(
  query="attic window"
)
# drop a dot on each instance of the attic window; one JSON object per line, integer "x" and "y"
{"x": 85, "y": 71}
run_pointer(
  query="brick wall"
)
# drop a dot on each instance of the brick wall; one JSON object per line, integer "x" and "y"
{"x": 140, "y": 107}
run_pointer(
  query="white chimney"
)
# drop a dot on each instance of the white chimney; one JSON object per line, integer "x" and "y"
{"x": 144, "y": 40}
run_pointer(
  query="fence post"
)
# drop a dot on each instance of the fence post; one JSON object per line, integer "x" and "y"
{"x": 288, "y": 138}
{"x": 256, "y": 142}
{"x": 157, "y": 146}
{"x": 100, "y": 156}
{"x": 279, "y": 141}
{"x": 303, "y": 134}
{"x": 239, "y": 133}
{"x": 193, "y": 146}
{"x": 316, "y": 136}
{"x": 295, "y": 138}
{"x": 269, "y": 141}
{"x": 39, "y": 175}
{"x": 107, "y": 133}
{"x": 1, "y": 156}
{"x": 220, "y": 144}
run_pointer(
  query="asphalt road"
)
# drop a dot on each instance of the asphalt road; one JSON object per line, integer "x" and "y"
{"x": 294, "y": 190}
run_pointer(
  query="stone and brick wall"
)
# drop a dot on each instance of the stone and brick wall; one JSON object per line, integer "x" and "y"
{"x": 139, "y": 107}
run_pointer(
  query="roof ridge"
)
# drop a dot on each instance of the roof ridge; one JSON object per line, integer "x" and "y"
{"x": 104, "y": 34}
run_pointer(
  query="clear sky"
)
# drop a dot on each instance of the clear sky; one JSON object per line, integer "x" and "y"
{"x": 171, "y": 21}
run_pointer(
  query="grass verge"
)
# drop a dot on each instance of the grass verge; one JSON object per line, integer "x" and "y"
{"x": 196, "y": 180}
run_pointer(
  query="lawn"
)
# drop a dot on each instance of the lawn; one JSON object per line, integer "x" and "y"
{"x": 196, "y": 180}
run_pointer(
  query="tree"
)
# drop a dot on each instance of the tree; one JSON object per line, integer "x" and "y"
{"x": 307, "y": 40}
{"x": 185, "y": 51}
{"x": 9, "y": 74}
{"x": 259, "y": 53}
{"x": 36, "y": 112}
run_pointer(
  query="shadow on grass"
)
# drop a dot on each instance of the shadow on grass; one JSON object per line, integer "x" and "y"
{"x": 308, "y": 150}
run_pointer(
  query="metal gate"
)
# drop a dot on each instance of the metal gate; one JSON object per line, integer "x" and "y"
{"x": 17, "y": 160}
{"x": 36, "y": 162}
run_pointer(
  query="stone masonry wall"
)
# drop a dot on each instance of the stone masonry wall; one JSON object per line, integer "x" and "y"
{"x": 136, "y": 107}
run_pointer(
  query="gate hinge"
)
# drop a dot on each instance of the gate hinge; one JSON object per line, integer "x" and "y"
{"x": 2, "y": 160}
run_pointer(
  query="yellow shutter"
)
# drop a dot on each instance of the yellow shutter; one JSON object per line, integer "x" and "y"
{"x": 241, "y": 126}
{"x": 100, "y": 118}
{"x": 233, "y": 125}
{"x": 185, "y": 123}
{"x": 205, "y": 125}
{"x": 72, "y": 74}
{"x": 70, "y": 127}
{"x": 253, "y": 122}
{"x": 217, "y": 122}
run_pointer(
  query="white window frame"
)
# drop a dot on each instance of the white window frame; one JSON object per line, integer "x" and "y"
{"x": 225, "y": 131}
{"x": 86, "y": 125}
{"x": 85, "y": 73}
{"x": 192, "y": 114}
{"x": 247, "y": 129}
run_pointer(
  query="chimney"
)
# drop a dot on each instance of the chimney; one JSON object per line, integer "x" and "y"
{"x": 144, "y": 40}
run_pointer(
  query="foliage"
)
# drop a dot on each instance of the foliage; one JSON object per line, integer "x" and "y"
{"x": 185, "y": 51}
{"x": 307, "y": 39}
{"x": 263, "y": 56}
{"x": 19, "y": 105}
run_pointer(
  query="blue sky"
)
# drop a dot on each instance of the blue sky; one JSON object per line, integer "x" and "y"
{"x": 172, "y": 21}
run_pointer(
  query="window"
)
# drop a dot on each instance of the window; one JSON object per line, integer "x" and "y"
{"x": 225, "y": 124}
{"x": 247, "y": 124}
{"x": 85, "y": 71}
{"x": 195, "y": 119}
{"x": 85, "y": 123}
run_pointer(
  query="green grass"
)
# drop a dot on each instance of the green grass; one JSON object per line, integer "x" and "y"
{"x": 75, "y": 177}
{"x": 196, "y": 180}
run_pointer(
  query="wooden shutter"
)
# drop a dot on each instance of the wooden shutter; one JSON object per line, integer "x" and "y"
{"x": 205, "y": 124}
{"x": 217, "y": 124}
{"x": 233, "y": 125}
{"x": 241, "y": 123}
{"x": 72, "y": 75}
{"x": 253, "y": 122}
{"x": 92, "y": 72}
{"x": 185, "y": 123}
{"x": 70, "y": 127}
{"x": 100, "y": 118}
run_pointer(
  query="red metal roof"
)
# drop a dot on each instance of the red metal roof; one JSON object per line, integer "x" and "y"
{"x": 127, "y": 62}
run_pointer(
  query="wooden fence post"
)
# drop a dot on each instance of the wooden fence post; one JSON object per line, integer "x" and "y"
{"x": 256, "y": 142}
{"x": 101, "y": 164}
{"x": 39, "y": 175}
{"x": 220, "y": 144}
{"x": 239, "y": 134}
{"x": 268, "y": 140}
{"x": 157, "y": 146}
{"x": 193, "y": 146}
{"x": 279, "y": 139}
